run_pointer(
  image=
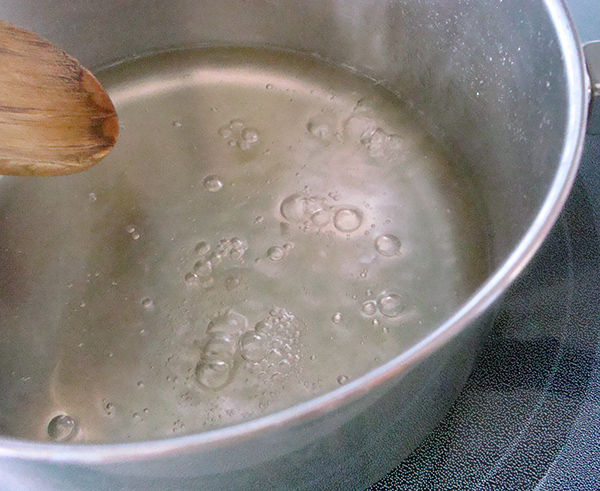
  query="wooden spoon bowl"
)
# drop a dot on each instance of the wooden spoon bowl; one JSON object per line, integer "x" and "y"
{"x": 55, "y": 117}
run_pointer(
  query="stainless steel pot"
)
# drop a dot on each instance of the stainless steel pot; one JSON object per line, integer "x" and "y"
{"x": 501, "y": 84}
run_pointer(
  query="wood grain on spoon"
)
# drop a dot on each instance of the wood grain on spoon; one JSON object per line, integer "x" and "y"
{"x": 55, "y": 117}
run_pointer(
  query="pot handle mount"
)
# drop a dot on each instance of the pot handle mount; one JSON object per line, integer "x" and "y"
{"x": 592, "y": 59}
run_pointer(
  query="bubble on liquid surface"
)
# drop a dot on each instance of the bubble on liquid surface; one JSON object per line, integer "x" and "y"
{"x": 191, "y": 278}
{"x": 231, "y": 283}
{"x": 61, "y": 428}
{"x": 224, "y": 247}
{"x": 321, "y": 218}
{"x": 213, "y": 183}
{"x": 282, "y": 335}
{"x": 347, "y": 219}
{"x": 263, "y": 326}
{"x": 225, "y": 131}
{"x": 203, "y": 268}
{"x": 231, "y": 322}
{"x": 336, "y": 318}
{"x": 220, "y": 346}
{"x": 358, "y": 126}
{"x": 92, "y": 197}
{"x": 303, "y": 209}
{"x": 321, "y": 131}
{"x": 213, "y": 373}
{"x": 233, "y": 248}
{"x": 214, "y": 258}
{"x": 109, "y": 408}
{"x": 237, "y": 253}
{"x": 376, "y": 142}
{"x": 249, "y": 135}
{"x": 202, "y": 248}
{"x": 237, "y": 243}
{"x": 390, "y": 304}
{"x": 276, "y": 253}
{"x": 238, "y": 134}
{"x": 293, "y": 208}
{"x": 253, "y": 346}
{"x": 388, "y": 245}
{"x": 369, "y": 307}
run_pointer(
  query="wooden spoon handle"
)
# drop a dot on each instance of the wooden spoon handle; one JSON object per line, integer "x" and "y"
{"x": 55, "y": 117}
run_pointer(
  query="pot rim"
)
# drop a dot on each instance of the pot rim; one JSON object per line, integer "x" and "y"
{"x": 577, "y": 84}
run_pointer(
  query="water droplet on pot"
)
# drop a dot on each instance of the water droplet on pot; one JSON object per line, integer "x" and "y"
{"x": 342, "y": 379}
{"x": 61, "y": 428}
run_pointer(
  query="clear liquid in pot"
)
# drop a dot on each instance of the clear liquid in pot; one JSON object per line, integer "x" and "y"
{"x": 268, "y": 228}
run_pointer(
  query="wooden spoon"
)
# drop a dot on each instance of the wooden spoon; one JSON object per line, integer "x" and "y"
{"x": 55, "y": 117}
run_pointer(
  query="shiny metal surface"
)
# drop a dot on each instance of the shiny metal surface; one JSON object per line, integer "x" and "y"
{"x": 452, "y": 63}
{"x": 592, "y": 58}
